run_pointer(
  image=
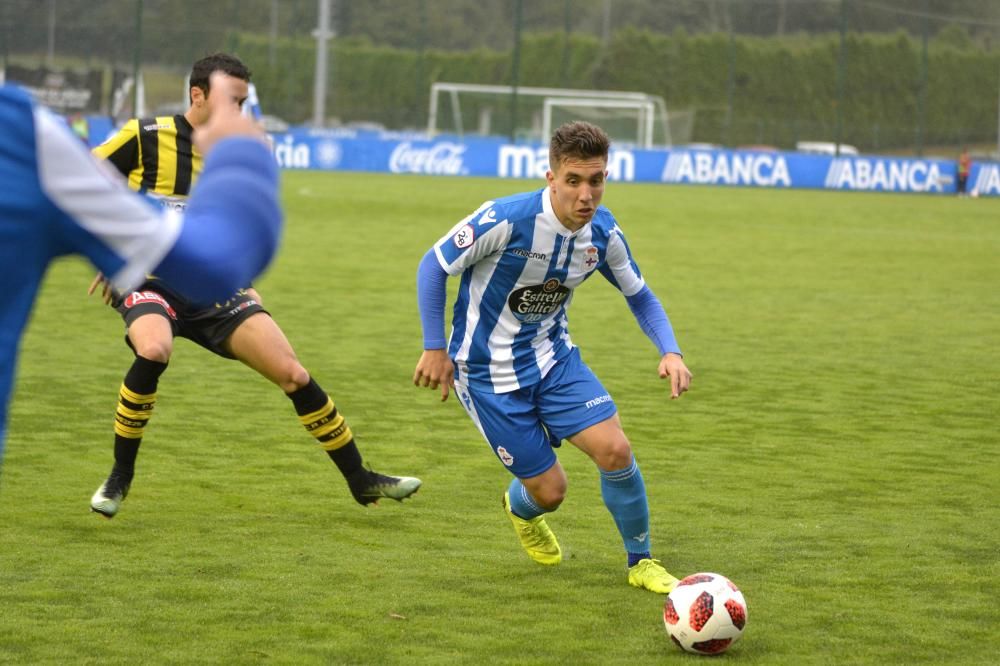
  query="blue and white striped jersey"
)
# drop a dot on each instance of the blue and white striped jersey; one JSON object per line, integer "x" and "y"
{"x": 57, "y": 200}
{"x": 519, "y": 267}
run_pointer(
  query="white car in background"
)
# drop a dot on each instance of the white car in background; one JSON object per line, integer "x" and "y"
{"x": 824, "y": 148}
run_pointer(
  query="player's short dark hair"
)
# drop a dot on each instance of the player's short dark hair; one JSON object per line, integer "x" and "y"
{"x": 217, "y": 62}
{"x": 578, "y": 139}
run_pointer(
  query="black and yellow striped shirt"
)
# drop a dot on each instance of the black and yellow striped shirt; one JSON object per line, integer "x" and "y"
{"x": 156, "y": 155}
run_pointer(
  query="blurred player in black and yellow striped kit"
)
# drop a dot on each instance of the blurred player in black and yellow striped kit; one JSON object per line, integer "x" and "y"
{"x": 157, "y": 157}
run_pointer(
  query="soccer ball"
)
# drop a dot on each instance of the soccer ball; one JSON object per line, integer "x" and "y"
{"x": 705, "y": 613}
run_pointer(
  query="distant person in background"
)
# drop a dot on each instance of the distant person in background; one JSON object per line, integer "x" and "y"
{"x": 511, "y": 360}
{"x": 157, "y": 157}
{"x": 57, "y": 200}
{"x": 964, "y": 166}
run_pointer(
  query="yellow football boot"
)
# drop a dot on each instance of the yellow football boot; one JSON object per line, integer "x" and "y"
{"x": 650, "y": 575}
{"x": 535, "y": 535}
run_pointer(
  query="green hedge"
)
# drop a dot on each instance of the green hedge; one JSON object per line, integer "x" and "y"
{"x": 782, "y": 90}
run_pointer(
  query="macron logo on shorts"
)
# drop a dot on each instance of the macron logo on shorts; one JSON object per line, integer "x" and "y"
{"x": 598, "y": 401}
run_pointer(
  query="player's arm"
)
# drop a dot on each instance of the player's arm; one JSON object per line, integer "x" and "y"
{"x": 207, "y": 256}
{"x": 653, "y": 320}
{"x": 233, "y": 219}
{"x": 232, "y": 223}
{"x": 434, "y": 369}
{"x": 621, "y": 270}
{"x": 122, "y": 149}
{"x": 474, "y": 237}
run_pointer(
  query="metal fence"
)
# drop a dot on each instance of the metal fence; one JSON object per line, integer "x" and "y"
{"x": 83, "y": 55}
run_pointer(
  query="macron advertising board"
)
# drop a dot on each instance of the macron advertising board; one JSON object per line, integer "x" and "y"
{"x": 402, "y": 152}
{"x": 394, "y": 152}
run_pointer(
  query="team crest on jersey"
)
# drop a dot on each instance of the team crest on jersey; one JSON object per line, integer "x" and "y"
{"x": 591, "y": 259}
{"x": 505, "y": 456}
{"x": 464, "y": 237}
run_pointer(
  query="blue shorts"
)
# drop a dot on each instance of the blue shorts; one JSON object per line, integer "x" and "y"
{"x": 524, "y": 425}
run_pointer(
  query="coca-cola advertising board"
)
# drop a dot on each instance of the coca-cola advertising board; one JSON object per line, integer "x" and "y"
{"x": 411, "y": 153}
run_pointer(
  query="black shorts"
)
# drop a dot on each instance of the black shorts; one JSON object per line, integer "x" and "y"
{"x": 208, "y": 327}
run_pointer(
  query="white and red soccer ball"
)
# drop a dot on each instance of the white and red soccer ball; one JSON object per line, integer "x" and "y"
{"x": 705, "y": 613}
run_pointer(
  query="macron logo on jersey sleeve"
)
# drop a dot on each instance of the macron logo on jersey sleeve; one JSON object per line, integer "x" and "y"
{"x": 463, "y": 245}
{"x": 472, "y": 229}
{"x": 468, "y": 232}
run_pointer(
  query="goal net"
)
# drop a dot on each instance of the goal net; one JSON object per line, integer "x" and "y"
{"x": 465, "y": 109}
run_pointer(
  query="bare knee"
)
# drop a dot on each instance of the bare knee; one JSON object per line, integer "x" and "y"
{"x": 153, "y": 348}
{"x": 616, "y": 455}
{"x": 550, "y": 498}
{"x": 292, "y": 376}
{"x": 550, "y": 493}
{"x": 151, "y": 337}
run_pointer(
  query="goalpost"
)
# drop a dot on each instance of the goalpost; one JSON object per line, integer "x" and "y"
{"x": 630, "y": 118}
{"x": 644, "y": 115}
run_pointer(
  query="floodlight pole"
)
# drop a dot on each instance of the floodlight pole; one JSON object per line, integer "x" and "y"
{"x": 322, "y": 34}
{"x": 922, "y": 96}
{"x": 515, "y": 69}
{"x": 272, "y": 35}
{"x": 841, "y": 75}
{"x": 567, "y": 29}
{"x": 421, "y": 77}
{"x": 4, "y": 40}
{"x": 136, "y": 57}
{"x": 50, "y": 56}
{"x": 606, "y": 24}
{"x": 730, "y": 87}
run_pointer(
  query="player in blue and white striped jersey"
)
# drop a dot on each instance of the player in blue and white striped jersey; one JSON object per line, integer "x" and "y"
{"x": 511, "y": 359}
{"x": 57, "y": 200}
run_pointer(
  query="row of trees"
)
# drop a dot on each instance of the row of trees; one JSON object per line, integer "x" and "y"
{"x": 743, "y": 90}
{"x": 175, "y": 30}
{"x": 700, "y": 55}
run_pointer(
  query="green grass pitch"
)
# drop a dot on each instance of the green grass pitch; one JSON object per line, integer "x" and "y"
{"x": 838, "y": 455}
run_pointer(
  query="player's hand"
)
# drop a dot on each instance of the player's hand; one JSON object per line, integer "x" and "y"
{"x": 435, "y": 370}
{"x": 672, "y": 365}
{"x": 225, "y": 119}
{"x": 108, "y": 294}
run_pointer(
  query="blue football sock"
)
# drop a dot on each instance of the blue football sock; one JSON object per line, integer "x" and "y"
{"x": 521, "y": 503}
{"x": 624, "y": 494}
{"x": 633, "y": 558}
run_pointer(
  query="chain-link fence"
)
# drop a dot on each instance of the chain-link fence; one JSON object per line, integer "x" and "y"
{"x": 889, "y": 76}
